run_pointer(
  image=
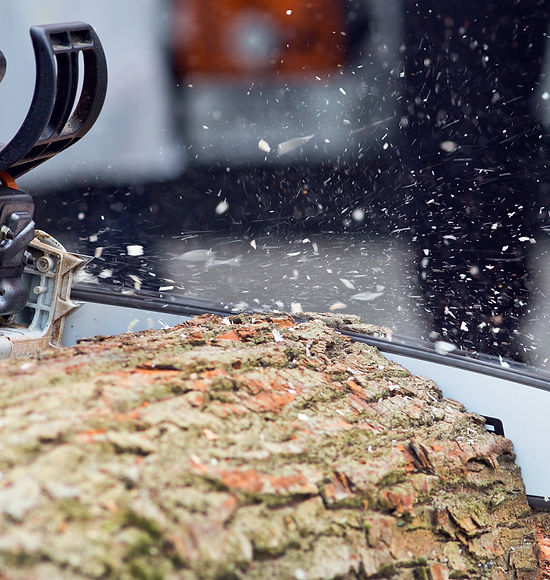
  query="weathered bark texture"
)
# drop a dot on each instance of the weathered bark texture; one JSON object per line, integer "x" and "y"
{"x": 260, "y": 449}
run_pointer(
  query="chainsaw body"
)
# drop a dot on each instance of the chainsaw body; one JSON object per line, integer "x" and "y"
{"x": 35, "y": 271}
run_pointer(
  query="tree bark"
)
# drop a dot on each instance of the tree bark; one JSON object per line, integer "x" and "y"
{"x": 250, "y": 447}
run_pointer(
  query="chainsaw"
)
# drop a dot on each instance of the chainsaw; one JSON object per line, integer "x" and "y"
{"x": 36, "y": 271}
{"x": 40, "y": 306}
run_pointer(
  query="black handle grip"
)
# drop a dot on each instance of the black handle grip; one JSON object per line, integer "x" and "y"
{"x": 53, "y": 122}
{"x": 2, "y": 65}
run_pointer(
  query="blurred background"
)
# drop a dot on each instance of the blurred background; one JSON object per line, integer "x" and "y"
{"x": 133, "y": 139}
{"x": 385, "y": 158}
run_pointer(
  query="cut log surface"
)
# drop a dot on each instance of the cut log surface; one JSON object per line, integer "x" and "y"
{"x": 249, "y": 447}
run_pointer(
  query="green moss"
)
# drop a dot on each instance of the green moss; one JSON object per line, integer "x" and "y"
{"x": 228, "y": 575}
{"x": 144, "y": 571}
{"x": 130, "y": 518}
{"x": 73, "y": 509}
{"x": 396, "y": 373}
{"x": 19, "y": 559}
{"x": 57, "y": 379}
{"x": 143, "y": 546}
{"x": 149, "y": 555}
{"x": 421, "y": 573}
{"x": 386, "y": 570}
{"x": 392, "y": 477}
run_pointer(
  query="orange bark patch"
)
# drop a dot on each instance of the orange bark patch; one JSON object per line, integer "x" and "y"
{"x": 252, "y": 481}
{"x": 544, "y": 554}
{"x": 196, "y": 400}
{"x": 224, "y": 410}
{"x": 339, "y": 489}
{"x": 211, "y": 374}
{"x": 246, "y": 333}
{"x": 196, "y": 335}
{"x": 410, "y": 463}
{"x": 544, "y": 543}
{"x": 366, "y": 426}
{"x": 209, "y": 435}
{"x": 62, "y": 527}
{"x": 197, "y": 465}
{"x": 253, "y": 385}
{"x": 242, "y": 334}
{"x": 269, "y": 402}
{"x": 228, "y": 336}
{"x": 400, "y": 501}
{"x": 197, "y": 386}
{"x": 289, "y": 483}
{"x": 92, "y": 432}
{"x": 438, "y": 572}
{"x": 334, "y": 426}
{"x": 92, "y": 435}
{"x": 230, "y": 503}
{"x": 69, "y": 370}
{"x": 249, "y": 480}
{"x": 283, "y": 322}
{"x": 125, "y": 417}
{"x": 357, "y": 390}
{"x": 358, "y": 403}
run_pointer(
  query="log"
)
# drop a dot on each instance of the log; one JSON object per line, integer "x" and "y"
{"x": 249, "y": 447}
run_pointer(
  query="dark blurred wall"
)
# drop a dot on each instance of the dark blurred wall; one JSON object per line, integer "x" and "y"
{"x": 472, "y": 157}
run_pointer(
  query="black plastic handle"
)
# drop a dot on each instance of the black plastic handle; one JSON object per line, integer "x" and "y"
{"x": 2, "y": 65}
{"x": 53, "y": 122}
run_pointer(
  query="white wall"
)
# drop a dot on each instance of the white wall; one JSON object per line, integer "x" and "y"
{"x": 132, "y": 138}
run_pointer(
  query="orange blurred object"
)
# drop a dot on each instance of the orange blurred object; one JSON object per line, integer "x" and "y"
{"x": 258, "y": 38}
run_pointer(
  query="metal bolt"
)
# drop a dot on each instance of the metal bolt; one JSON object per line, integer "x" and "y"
{"x": 44, "y": 263}
{"x": 28, "y": 259}
{"x": 6, "y": 233}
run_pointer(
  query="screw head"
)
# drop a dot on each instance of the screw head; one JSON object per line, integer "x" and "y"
{"x": 44, "y": 263}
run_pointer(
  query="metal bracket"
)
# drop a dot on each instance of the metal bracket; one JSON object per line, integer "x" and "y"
{"x": 47, "y": 281}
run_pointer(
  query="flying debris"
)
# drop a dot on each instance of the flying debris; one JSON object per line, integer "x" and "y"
{"x": 448, "y": 146}
{"x": 134, "y": 250}
{"x": 208, "y": 258}
{"x": 292, "y": 144}
{"x": 277, "y": 336}
{"x": 347, "y": 283}
{"x": 264, "y": 146}
{"x": 136, "y": 280}
{"x": 222, "y": 207}
{"x": 443, "y": 347}
{"x": 358, "y": 214}
{"x": 503, "y": 363}
{"x": 366, "y": 296}
{"x": 196, "y": 255}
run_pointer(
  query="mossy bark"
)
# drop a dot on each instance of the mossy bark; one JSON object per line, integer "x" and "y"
{"x": 250, "y": 447}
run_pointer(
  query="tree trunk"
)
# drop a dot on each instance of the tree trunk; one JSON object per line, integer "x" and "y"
{"x": 252, "y": 447}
